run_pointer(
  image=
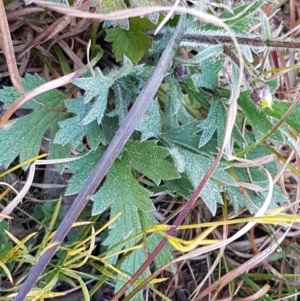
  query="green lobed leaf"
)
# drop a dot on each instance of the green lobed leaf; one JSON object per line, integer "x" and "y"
{"x": 290, "y": 138}
{"x": 72, "y": 131}
{"x": 238, "y": 200}
{"x": 44, "y": 212}
{"x": 242, "y": 11}
{"x": 110, "y": 126}
{"x": 176, "y": 93}
{"x": 241, "y": 20}
{"x": 127, "y": 88}
{"x": 132, "y": 43}
{"x": 195, "y": 166}
{"x": 209, "y": 125}
{"x": 256, "y": 176}
{"x": 186, "y": 135}
{"x": 259, "y": 152}
{"x": 184, "y": 115}
{"x": 205, "y": 53}
{"x": 82, "y": 169}
{"x": 244, "y": 19}
{"x": 149, "y": 159}
{"x": 170, "y": 120}
{"x": 28, "y": 131}
{"x": 122, "y": 100}
{"x": 150, "y": 124}
{"x": 153, "y": 240}
{"x": 181, "y": 186}
{"x": 196, "y": 95}
{"x": 122, "y": 193}
{"x": 97, "y": 88}
{"x": 174, "y": 101}
{"x": 221, "y": 124}
{"x": 208, "y": 78}
{"x": 159, "y": 45}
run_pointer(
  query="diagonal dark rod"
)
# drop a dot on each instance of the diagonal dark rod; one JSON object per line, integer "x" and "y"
{"x": 115, "y": 147}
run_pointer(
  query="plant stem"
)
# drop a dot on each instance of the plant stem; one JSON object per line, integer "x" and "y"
{"x": 254, "y": 42}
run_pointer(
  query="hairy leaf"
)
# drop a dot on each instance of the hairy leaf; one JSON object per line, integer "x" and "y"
{"x": 82, "y": 169}
{"x": 185, "y": 135}
{"x": 121, "y": 191}
{"x": 205, "y": 53}
{"x": 243, "y": 18}
{"x": 209, "y": 125}
{"x": 174, "y": 102}
{"x": 195, "y": 166}
{"x": 254, "y": 201}
{"x": 182, "y": 186}
{"x": 265, "y": 26}
{"x": 150, "y": 125}
{"x": 97, "y": 88}
{"x": 139, "y": 155}
{"x": 23, "y": 137}
{"x": 240, "y": 21}
{"x": 72, "y": 131}
{"x": 208, "y": 78}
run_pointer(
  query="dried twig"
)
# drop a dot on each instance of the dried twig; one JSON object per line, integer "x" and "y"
{"x": 8, "y": 50}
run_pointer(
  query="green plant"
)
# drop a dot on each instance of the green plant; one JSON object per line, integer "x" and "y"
{"x": 177, "y": 140}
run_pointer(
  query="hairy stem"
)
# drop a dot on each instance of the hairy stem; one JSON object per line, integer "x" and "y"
{"x": 254, "y": 42}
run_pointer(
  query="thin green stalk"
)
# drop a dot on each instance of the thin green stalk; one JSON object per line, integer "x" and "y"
{"x": 255, "y": 287}
{"x": 280, "y": 157}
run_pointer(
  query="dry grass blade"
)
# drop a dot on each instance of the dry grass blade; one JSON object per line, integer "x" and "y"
{"x": 167, "y": 17}
{"x": 259, "y": 294}
{"x": 256, "y": 296}
{"x": 22, "y": 12}
{"x": 238, "y": 234}
{"x": 14, "y": 203}
{"x": 255, "y": 260}
{"x": 8, "y": 50}
{"x": 50, "y": 32}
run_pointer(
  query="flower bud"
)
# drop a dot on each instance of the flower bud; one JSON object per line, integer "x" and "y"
{"x": 262, "y": 96}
